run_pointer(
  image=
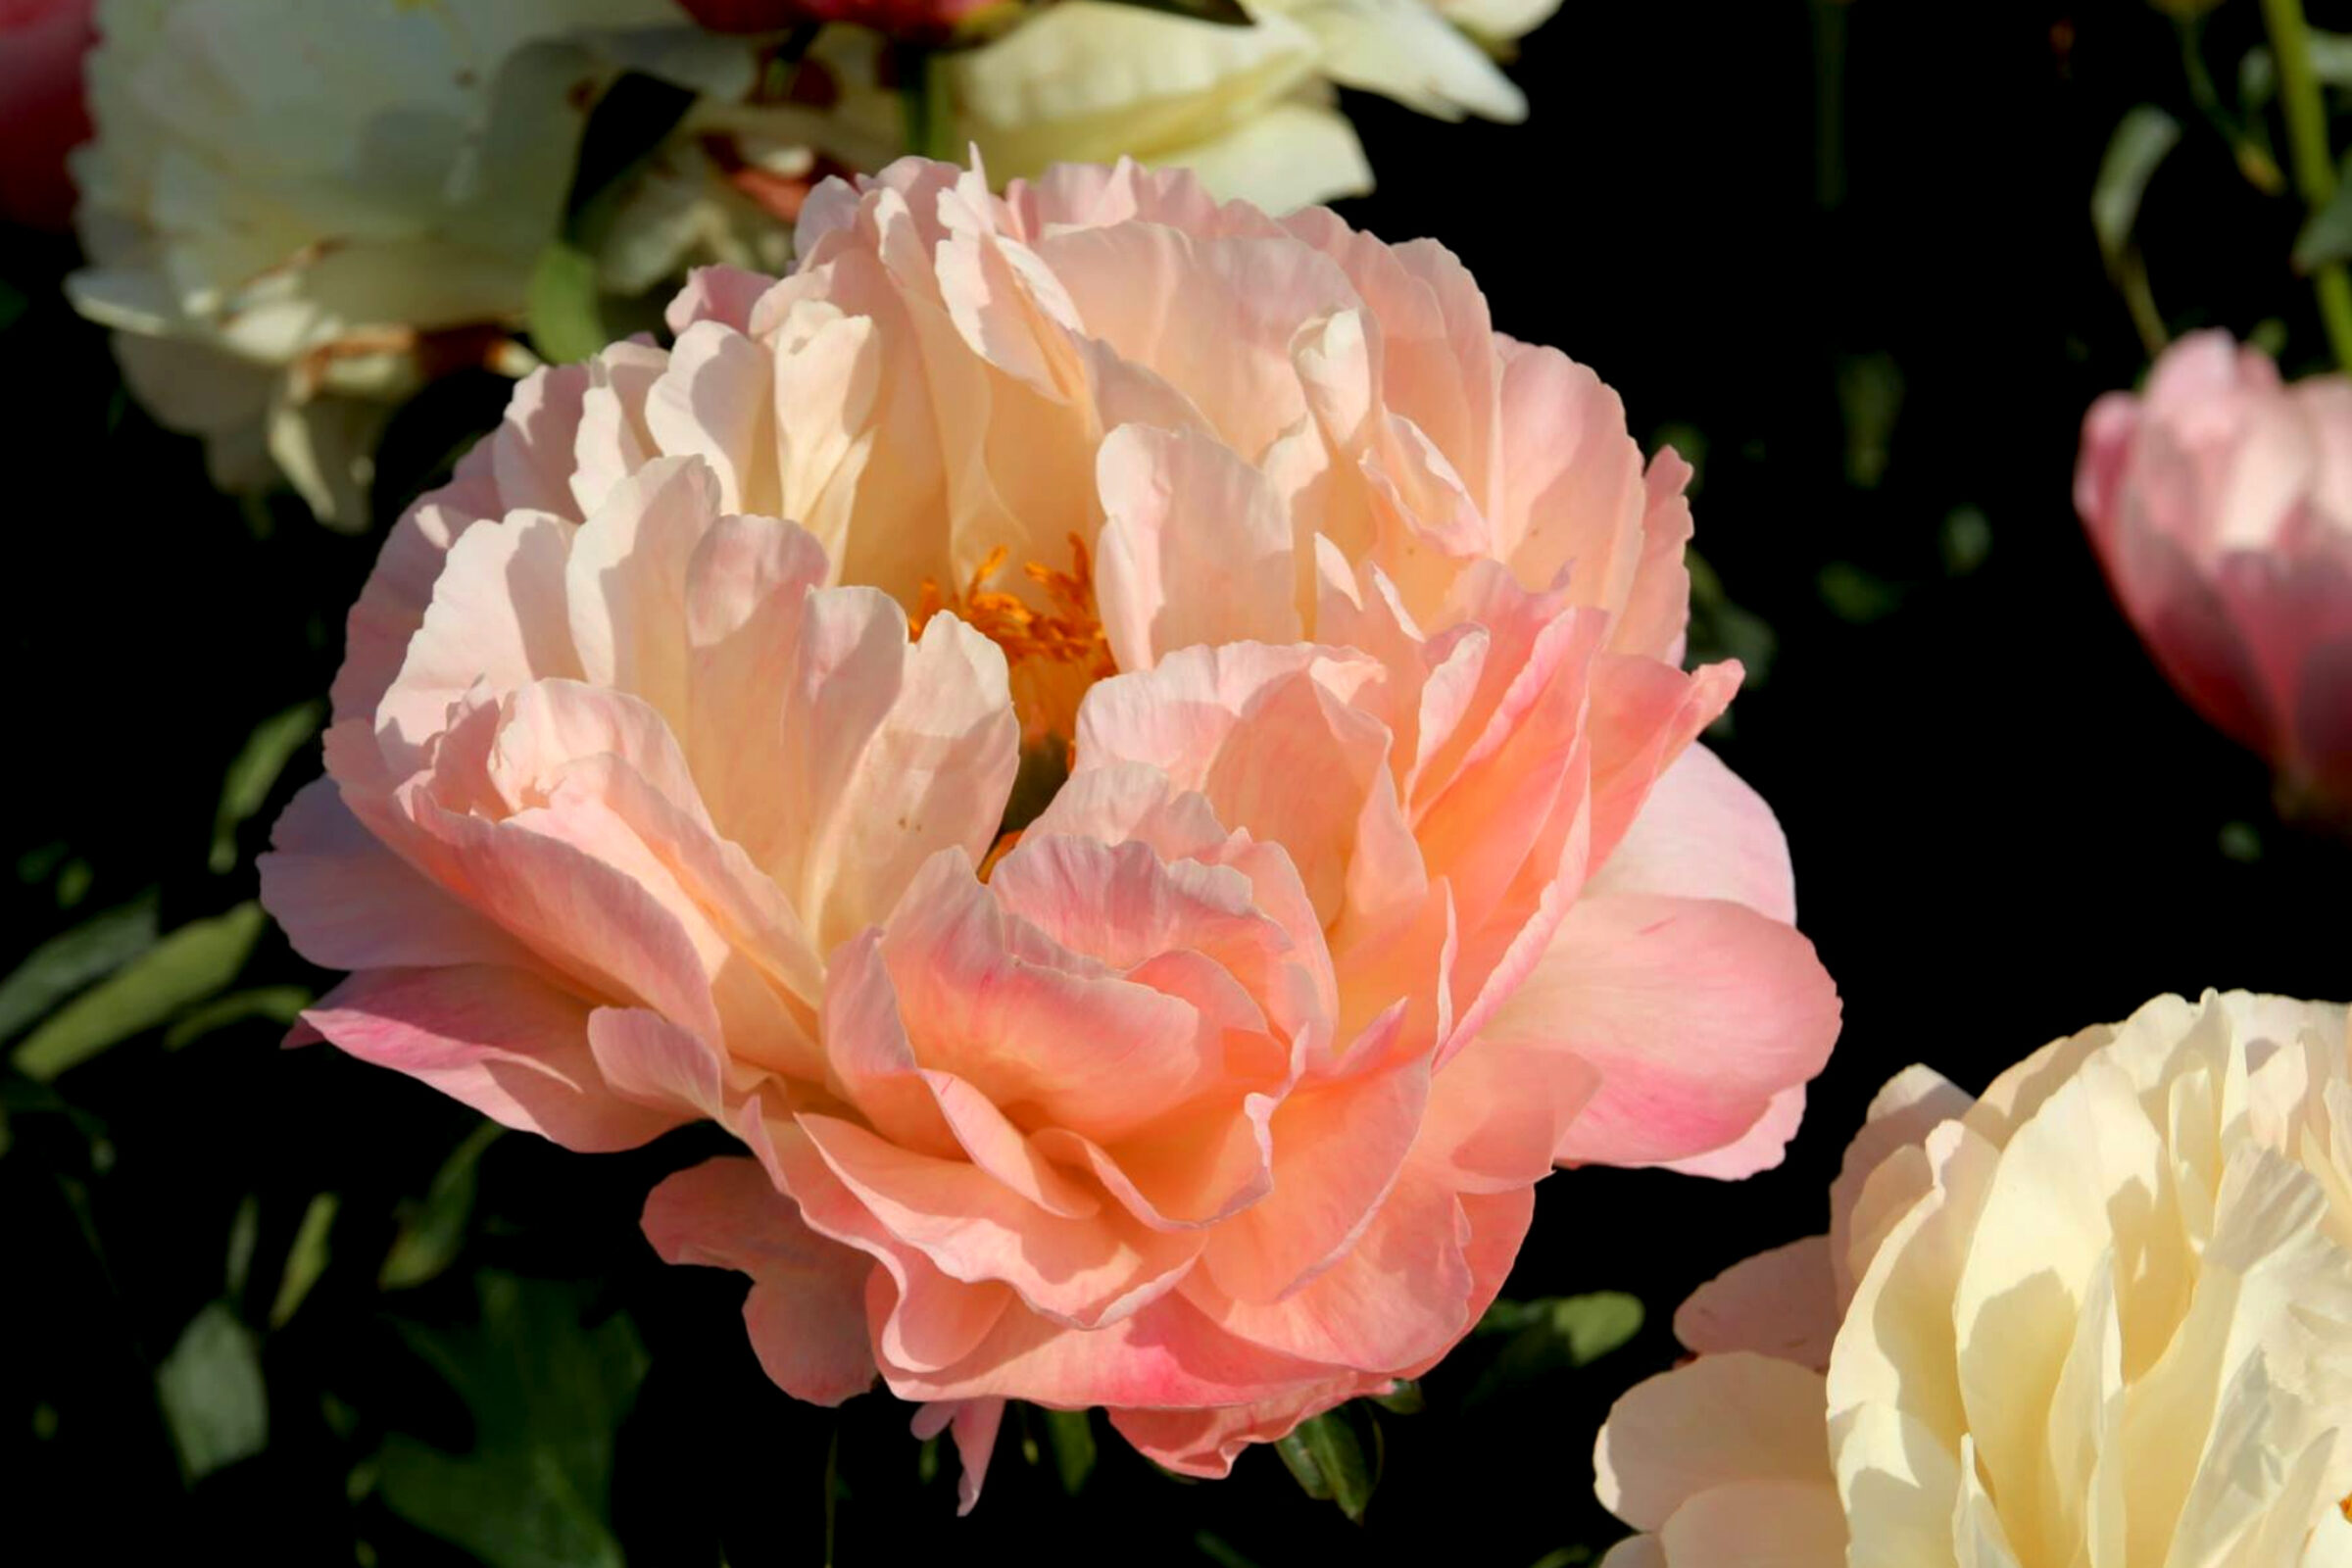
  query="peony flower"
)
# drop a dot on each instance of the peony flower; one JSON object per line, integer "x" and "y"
{"x": 2100, "y": 1317}
{"x": 1250, "y": 110}
{"x": 41, "y": 45}
{"x": 296, "y": 214}
{"x": 1195, "y": 815}
{"x": 2221, "y": 505}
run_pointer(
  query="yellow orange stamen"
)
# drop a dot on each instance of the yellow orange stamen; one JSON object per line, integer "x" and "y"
{"x": 1065, "y": 637}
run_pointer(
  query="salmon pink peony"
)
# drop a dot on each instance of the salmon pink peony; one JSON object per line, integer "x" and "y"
{"x": 2100, "y": 1318}
{"x": 2221, "y": 504}
{"x": 1195, "y": 815}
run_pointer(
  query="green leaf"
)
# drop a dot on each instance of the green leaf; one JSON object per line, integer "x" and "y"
{"x": 1965, "y": 540}
{"x": 1870, "y": 394}
{"x": 2142, "y": 143}
{"x": 1327, "y": 1456}
{"x": 432, "y": 1233}
{"x": 1223, "y": 12}
{"x": 65, "y": 963}
{"x": 566, "y": 316}
{"x": 1554, "y": 1335}
{"x": 280, "y": 1004}
{"x": 1403, "y": 1400}
{"x": 209, "y": 1388}
{"x": 547, "y": 1393}
{"x": 188, "y": 965}
{"x": 2326, "y": 234}
{"x": 1856, "y": 595}
{"x": 1070, "y": 1434}
{"x": 306, "y": 1259}
{"x": 244, "y": 1232}
{"x": 256, "y": 767}
{"x": 12, "y": 304}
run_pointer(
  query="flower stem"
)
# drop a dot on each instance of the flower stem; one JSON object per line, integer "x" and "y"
{"x": 2313, "y": 164}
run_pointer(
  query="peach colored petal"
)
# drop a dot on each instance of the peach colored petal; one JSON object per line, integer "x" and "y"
{"x": 1640, "y": 988}
{"x": 1194, "y": 546}
{"x": 974, "y": 1424}
{"x": 723, "y": 294}
{"x": 1704, "y": 834}
{"x": 512, "y": 1047}
{"x": 1782, "y": 1303}
{"x": 1085, "y": 1272}
{"x": 1204, "y": 1443}
{"x": 349, "y": 902}
{"x": 807, "y": 1306}
{"x": 1719, "y": 1421}
{"x": 1338, "y": 1149}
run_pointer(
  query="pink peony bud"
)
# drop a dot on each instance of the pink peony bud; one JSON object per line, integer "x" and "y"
{"x": 2221, "y": 504}
{"x": 43, "y": 117}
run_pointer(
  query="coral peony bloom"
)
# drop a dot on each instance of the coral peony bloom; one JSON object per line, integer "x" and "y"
{"x": 41, "y": 45}
{"x": 1250, "y": 110}
{"x": 2220, "y": 503}
{"x": 296, "y": 214}
{"x": 2101, "y": 1318}
{"x": 1195, "y": 815}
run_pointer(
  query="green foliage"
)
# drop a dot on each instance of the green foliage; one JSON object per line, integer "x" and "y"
{"x": 1070, "y": 1435}
{"x": 185, "y": 967}
{"x": 306, "y": 1259}
{"x": 210, "y": 1390}
{"x": 1555, "y": 1335}
{"x": 256, "y": 766}
{"x": 63, "y": 965}
{"x": 1336, "y": 1458}
{"x": 566, "y": 313}
{"x": 432, "y": 1232}
{"x": 546, "y": 1391}
{"x": 2142, "y": 143}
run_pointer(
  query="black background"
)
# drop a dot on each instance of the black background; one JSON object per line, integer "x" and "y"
{"x": 2005, "y": 826}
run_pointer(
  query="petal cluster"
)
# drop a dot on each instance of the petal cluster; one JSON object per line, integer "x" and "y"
{"x": 1191, "y": 817}
{"x": 295, "y": 215}
{"x": 1251, "y": 109}
{"x": 2101, "y": 1317}
{"x": 2220, "y": 501}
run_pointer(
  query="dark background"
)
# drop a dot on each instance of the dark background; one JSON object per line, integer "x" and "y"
{"x": 1877, "y": 338}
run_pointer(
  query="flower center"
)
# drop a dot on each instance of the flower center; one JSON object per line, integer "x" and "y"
{"x": 1055, "y": 653}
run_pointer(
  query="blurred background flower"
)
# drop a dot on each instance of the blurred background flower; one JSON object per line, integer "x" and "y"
{"x": 295, "y": 215}
{"x": 41, "y": 44}
{"x": 2220, "y": 503}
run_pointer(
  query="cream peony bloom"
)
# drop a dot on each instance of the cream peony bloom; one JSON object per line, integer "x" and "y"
{"x": 2100, "y": 1318}
{"x": 1250, "y": 110}
{"x": 296, "y": 214}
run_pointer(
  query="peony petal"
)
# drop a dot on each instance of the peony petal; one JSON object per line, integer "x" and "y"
{"x": 807, "y": 1306}
{"x": 1194, "y": 546}
{"x": 1704, "y": 834}
{"x": 1782, "y": 1303}
{"x": 503, "y": 1041}
{"x": 1718, "y": 1421}
{"x": 349, "y": 902}
{"x": 1696, "y": 1014}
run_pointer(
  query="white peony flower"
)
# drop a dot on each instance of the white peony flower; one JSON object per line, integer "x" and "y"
{"x": 2100, "y": 1318}
{"x": 1250, "y": 110}
{"x": 296, "y": 213}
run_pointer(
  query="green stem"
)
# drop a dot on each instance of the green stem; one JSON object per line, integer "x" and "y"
{"x": 2313, "y": 164}
{"x": 2245, "y": 140}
